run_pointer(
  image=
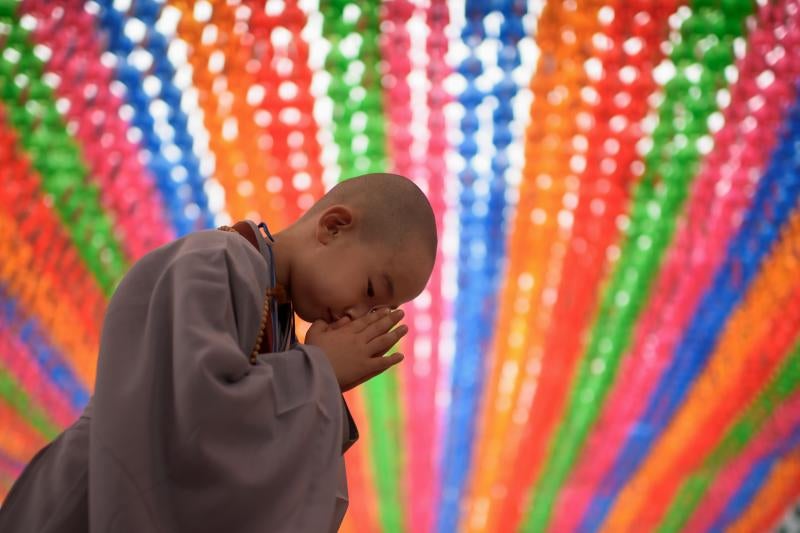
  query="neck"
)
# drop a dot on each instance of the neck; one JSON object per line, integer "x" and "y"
{"x": 281, "y": 253}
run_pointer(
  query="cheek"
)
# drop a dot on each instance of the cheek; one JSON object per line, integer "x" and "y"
{"x": 306, "y": 302}
{"x": 316, "y": 290}
{"x": 334, "y": 288}
{"x": 325, "y": 285}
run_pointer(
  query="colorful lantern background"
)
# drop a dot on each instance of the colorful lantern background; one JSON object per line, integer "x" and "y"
{"x": 610, "y": 340}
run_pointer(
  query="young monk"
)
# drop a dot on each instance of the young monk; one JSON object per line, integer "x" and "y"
{"x": 208, "y": 416}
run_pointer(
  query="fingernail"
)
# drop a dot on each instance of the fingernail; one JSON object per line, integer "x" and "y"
{"x": 403, "y": 329}
{"x": 400, "y": 313}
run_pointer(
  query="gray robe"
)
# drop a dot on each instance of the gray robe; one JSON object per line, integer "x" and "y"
{"x": 183, "y": 434}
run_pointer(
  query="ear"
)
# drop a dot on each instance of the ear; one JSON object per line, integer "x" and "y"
{"x": 333, "y": 221}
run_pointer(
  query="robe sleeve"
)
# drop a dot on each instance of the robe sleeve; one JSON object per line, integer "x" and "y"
{"x": 187, "y": 434}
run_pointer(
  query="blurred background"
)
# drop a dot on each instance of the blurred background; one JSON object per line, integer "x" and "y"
{"x": 611, "y": 337}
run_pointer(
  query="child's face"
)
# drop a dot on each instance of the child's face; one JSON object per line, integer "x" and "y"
{"x": 346, "y": 277}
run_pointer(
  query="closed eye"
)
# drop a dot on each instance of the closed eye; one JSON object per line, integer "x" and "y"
{"x": 370, "y": 290}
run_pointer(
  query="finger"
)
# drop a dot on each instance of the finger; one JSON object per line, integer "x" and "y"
{"x": 317, "y": 326}
{"x": 373, "y": 370}
{"x": 382, "y": 364}
{"x": 386, "y": 363}
{"x": 381, "y": 344}
{"x": 383, "y": 325}
{"x": 360, "y": 381}
{"x": 341, "y": 322}
{"x": 365, "y": 321}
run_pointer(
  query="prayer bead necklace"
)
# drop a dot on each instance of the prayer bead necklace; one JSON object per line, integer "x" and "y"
{"x": 264, "y": 316}
{"x": 275, "y": 293}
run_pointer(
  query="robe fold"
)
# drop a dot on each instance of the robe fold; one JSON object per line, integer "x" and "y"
{"x": 183, "y": 433}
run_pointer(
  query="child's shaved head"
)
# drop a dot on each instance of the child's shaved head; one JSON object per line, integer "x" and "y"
{"x": 392, "y": 207}
{"x": 369, "y": 242}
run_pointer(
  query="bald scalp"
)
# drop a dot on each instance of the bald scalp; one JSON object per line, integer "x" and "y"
{"x": 393, "y": 210}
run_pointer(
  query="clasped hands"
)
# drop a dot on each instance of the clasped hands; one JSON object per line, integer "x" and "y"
{"x": 356, "y": 348}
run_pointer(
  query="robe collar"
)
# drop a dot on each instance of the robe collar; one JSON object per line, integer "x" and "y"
{"x": 249, "y": 230}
